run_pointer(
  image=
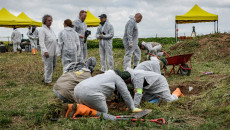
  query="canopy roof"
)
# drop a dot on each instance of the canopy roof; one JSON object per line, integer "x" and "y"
{"x": 196, "y": 15}
{"x": 32, "y": 22}
{"x": 91, "y": 20}
{"x": 9, "y": 20}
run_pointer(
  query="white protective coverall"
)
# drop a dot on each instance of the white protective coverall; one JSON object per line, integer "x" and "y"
{"x": 69, "y": 45}
{"x": 105, "y": 45}
{"x": 48, "y": 43}
{"x": 153, "y": 85}
{"x": 33, "y": 37}
{"x": 151, "y": 65}
{"x": 153, "y": 47}
{"x": 130, "y": 41}
{"x": 16, "y": 39}
{"x": 93, "y": 91}
{"x": 80, "y": 27}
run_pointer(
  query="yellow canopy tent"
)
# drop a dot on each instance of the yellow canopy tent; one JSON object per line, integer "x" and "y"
{"x": 196, "y": 15}
{"x": 32, "y": 22}
{"x": 9, "y": 20}
{"x": 91, "y": 20}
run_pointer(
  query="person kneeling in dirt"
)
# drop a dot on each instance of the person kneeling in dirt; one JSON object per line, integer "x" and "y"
{"x": 154, "y": 65}
{"x": 76, "y": 72}
{"x": 91, "y": 93}
{"x": 150, "y": 86}
{"x": 152, "y": 47}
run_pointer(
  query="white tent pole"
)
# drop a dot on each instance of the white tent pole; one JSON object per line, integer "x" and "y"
{"x": 217, "y": 26}
{"x": 175, "y": 31}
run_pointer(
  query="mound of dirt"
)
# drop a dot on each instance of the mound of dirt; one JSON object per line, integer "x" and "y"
{"x": 192, "y": 87}
{"x": 206, "y": 48}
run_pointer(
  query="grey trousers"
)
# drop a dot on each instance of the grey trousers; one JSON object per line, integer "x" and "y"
{"x": 128, "y": 56}
{"x": 106, "y": 52}
{"x": 16, "y": 46}
{"x": 49, "y": 66}
{"x": 83, "y": 55}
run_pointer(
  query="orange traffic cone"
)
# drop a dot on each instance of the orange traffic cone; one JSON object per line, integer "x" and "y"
{"x": 178, "y": 93}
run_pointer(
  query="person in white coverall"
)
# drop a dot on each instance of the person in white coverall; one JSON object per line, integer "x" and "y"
{"x": 49, "y": 47}
{"x": 80, "y": 27}
{"x": 93, "y": 91}
{"x": 130, "y": 41}
{"x": 33, "y": 37}
{"x": 152, "y": 47}
{"x": 16, "y": 38}
{"x": 151, "y": 65}
{"x": 69, "y": 44}
{"x": 105, "y": 34}
{"x": 151, "y": 85}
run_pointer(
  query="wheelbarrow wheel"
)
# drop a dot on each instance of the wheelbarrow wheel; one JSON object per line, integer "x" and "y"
{"x": 185, "y": 71}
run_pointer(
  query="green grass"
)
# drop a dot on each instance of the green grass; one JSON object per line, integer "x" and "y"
{"x": 25, "y": 102}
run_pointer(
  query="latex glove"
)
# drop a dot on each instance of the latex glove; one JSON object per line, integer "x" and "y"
{"x": 135, "y": 110}
{"x": 130, "y": 44}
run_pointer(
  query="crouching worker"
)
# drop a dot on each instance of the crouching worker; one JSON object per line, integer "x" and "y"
{"x": 152, "y": 47}
{"x": 151, "y": 85}
{"x": 76, "y": 72}
{"x": 93, "y": 91}
{"x": 153, "y": 65}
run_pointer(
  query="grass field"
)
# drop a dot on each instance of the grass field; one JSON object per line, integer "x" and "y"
{"x": 26, "y": 103}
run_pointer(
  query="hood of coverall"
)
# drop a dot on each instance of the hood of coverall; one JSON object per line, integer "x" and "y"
{"x": 91, "y": 63}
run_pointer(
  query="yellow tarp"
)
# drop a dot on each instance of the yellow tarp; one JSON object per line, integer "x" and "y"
{"x": 9, "y": 20}
{"x": 91, "y": 20}
{"x": 196, "y": 15}
{"x": 32, "y": 22}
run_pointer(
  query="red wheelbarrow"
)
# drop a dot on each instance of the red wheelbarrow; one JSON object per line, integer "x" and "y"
{"x": 179, "y": 60}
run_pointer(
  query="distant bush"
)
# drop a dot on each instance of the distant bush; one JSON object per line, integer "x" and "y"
{"x": 118, "y": 43}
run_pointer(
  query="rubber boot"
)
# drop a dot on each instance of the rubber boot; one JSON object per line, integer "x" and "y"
{"x": 178, "y": 93}
{"x": 33, "y": 51}
{"x": 83, "y": 110}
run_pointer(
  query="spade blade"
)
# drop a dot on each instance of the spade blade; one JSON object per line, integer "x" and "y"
{"x": 142, "y": 113}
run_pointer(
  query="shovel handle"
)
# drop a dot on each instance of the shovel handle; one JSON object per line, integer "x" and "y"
{"x": 160, "y": 121}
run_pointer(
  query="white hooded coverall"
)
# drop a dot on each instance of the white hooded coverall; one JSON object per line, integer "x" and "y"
{"x": 151, "y": 65}
{"x": 93, "y": 91}
{"x": 33, "y": 37}
{"x": 69, "y": 45}
{"x": 16, "y": 39}
{"x": 80, "y": 27}
{"x": 105, "y": 45}
{"x": 48, "y": 43}
{"x": 131, "y": 38}
{"x": 154, "y": 86}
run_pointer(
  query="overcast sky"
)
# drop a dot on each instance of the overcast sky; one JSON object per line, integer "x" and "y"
{"x": 158, "y": 15}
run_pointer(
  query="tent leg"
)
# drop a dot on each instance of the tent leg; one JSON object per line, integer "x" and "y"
{"x": 175, "y": 32}
{"x": 217, "y": 26}
{"x": 214, "y": 26}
